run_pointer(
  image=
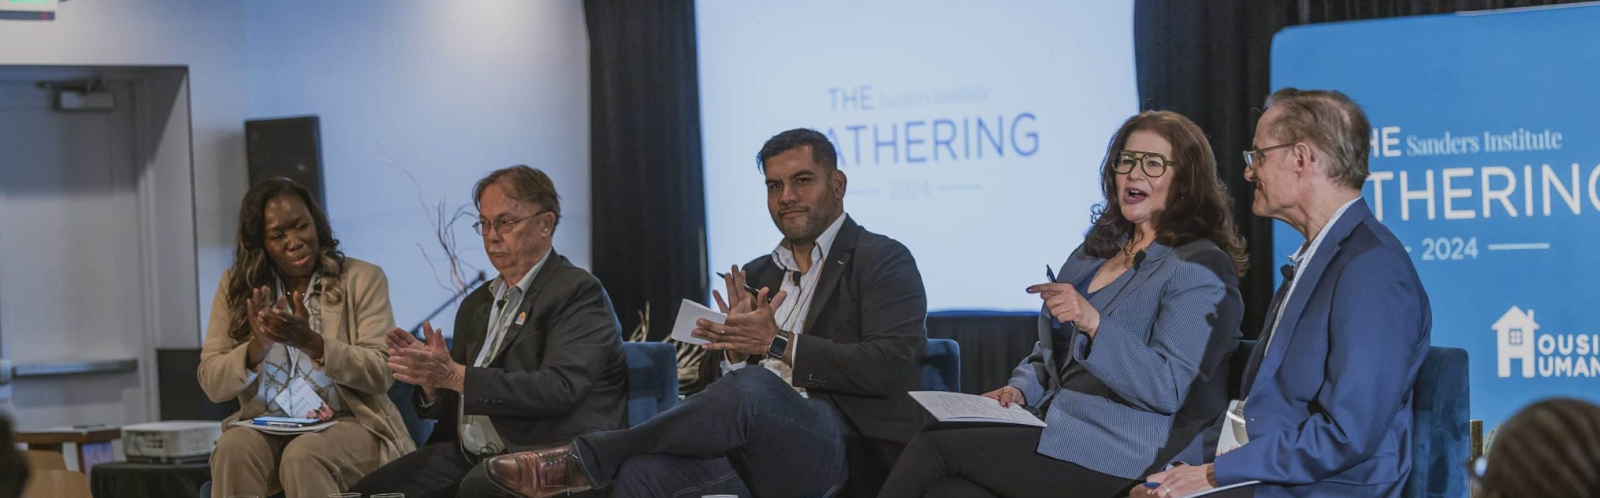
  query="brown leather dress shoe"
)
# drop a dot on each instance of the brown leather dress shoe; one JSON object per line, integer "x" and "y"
{"x": 538, "y": 473}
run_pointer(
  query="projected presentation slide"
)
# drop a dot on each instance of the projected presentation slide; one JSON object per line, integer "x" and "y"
{"x": 972, "y": 132}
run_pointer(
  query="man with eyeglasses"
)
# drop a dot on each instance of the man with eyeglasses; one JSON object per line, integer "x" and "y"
{"x": 807, "y": 390}
{"x": 537, "y": 357}
{"x": 1327, "y": 392}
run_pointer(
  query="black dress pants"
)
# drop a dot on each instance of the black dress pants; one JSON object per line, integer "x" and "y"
{"x": 433, "y": 471}
{"x": 999, "y": 461}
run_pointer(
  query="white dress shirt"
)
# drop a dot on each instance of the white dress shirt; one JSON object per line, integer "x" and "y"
{"x": 791, "y": 314}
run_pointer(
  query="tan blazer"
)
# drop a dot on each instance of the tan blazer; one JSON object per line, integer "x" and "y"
{"x": 356, "y": 357}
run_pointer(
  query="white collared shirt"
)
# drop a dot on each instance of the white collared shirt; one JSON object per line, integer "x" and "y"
{"x": 1300, "y": 260}
{"x": 791, "y": 314}
{"x": 477, "y": 432}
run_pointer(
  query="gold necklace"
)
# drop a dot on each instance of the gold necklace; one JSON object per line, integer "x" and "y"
{"x": 1127, "y": 249}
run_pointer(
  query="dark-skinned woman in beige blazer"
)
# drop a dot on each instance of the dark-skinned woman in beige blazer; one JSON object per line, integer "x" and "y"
{"x": 294, "y": 315}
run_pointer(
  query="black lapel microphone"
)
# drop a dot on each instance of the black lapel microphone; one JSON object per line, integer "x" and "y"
{"x": 1138, "y": 259}
{"x": 501, "y": 304}
{"x": 794, "y": 276}
{"x": 1288, "y": 271}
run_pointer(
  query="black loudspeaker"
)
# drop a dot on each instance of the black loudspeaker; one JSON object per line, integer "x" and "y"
{"x": 286, "y": 147}
{"x": 177, "y": 373}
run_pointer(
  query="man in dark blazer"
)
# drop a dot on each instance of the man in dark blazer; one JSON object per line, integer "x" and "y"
{"x": 1328, "y": 399}
{"x": 537, "y": 358}
{"x": 808, "y": 375}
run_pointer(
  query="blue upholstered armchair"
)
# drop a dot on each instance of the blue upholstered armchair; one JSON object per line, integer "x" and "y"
{"x": 941, "y": 366}
{"x": 1440, "y": 439}
{"x": 652, "y": 379}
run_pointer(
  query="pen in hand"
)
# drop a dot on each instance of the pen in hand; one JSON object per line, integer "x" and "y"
{"x": 752, "y": 290}
{"x": 1051, "y": 274}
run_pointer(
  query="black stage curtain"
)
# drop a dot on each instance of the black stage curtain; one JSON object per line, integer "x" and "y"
{"x": 1209, "y": 60}
{"x": 648, "y": 197}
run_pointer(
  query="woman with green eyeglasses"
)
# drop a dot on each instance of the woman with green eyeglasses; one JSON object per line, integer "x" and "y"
{"x": 1550, "y": 448}
{"x": 1128, "y": 369}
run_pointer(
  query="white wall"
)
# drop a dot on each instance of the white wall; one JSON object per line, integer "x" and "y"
{"x": 444, "y": 91}
{"x": 207, "y": 37}
{"x": 448, "y": 92}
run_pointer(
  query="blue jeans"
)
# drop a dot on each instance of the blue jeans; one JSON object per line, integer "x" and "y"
{"x": 747, "y": 432}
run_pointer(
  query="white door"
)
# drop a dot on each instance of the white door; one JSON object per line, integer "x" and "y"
{"x": 71, "y": 274}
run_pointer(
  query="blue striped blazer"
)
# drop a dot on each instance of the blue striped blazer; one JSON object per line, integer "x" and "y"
{"x": 1158, "y": 375}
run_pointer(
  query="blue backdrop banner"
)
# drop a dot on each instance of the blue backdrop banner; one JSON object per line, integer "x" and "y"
{"x": 1485, "y": 161}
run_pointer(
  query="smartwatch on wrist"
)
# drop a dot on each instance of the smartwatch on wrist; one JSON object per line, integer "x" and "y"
{"x": 780, "y": 345}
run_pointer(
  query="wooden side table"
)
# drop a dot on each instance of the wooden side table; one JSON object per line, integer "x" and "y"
{"x": 94, "y": 445}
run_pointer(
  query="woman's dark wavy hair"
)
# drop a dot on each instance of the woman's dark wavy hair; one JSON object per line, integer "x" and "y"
{"x": 1198, "y": 205}
{"x": 252, "y": 267}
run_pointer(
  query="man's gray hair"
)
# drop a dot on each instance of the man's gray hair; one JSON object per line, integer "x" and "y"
{"x": 523, "y": 184}
{"x": 1330, "y": 122}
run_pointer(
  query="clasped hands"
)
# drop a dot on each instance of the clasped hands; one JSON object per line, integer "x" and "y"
{"x": 426, "y": 364}
{"x": 285, "y": 321}
{"x": 751, "y": 323}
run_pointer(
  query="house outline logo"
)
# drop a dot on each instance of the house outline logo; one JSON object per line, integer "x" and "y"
{"x": 1515, "y": 333}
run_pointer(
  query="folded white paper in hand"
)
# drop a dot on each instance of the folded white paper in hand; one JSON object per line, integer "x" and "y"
{"x": 688, "y": 313}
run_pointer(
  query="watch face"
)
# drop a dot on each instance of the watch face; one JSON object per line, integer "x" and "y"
{"x": 780, "y": 345}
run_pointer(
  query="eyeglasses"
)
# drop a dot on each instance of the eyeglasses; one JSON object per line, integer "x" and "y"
{"x": 1153, "y": 164}
{"x": 502, "y": 225}
{"x": 1251, "y": 157}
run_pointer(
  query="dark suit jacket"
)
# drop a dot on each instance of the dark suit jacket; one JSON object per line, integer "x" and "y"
{"x": 1329, "y": 410}
{"x": 865, "y": 333}
{"x": 560, "y": 374}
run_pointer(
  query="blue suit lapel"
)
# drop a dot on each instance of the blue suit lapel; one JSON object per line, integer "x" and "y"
{"x": 1073, "y": 270}
{"x": 1106, "y": 301}
{"x": 1079, "y": 267}
{"x": 1305, "y": 285}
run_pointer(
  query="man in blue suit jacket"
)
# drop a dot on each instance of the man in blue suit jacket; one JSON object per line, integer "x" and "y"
{"x": 1328, "y": 388}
